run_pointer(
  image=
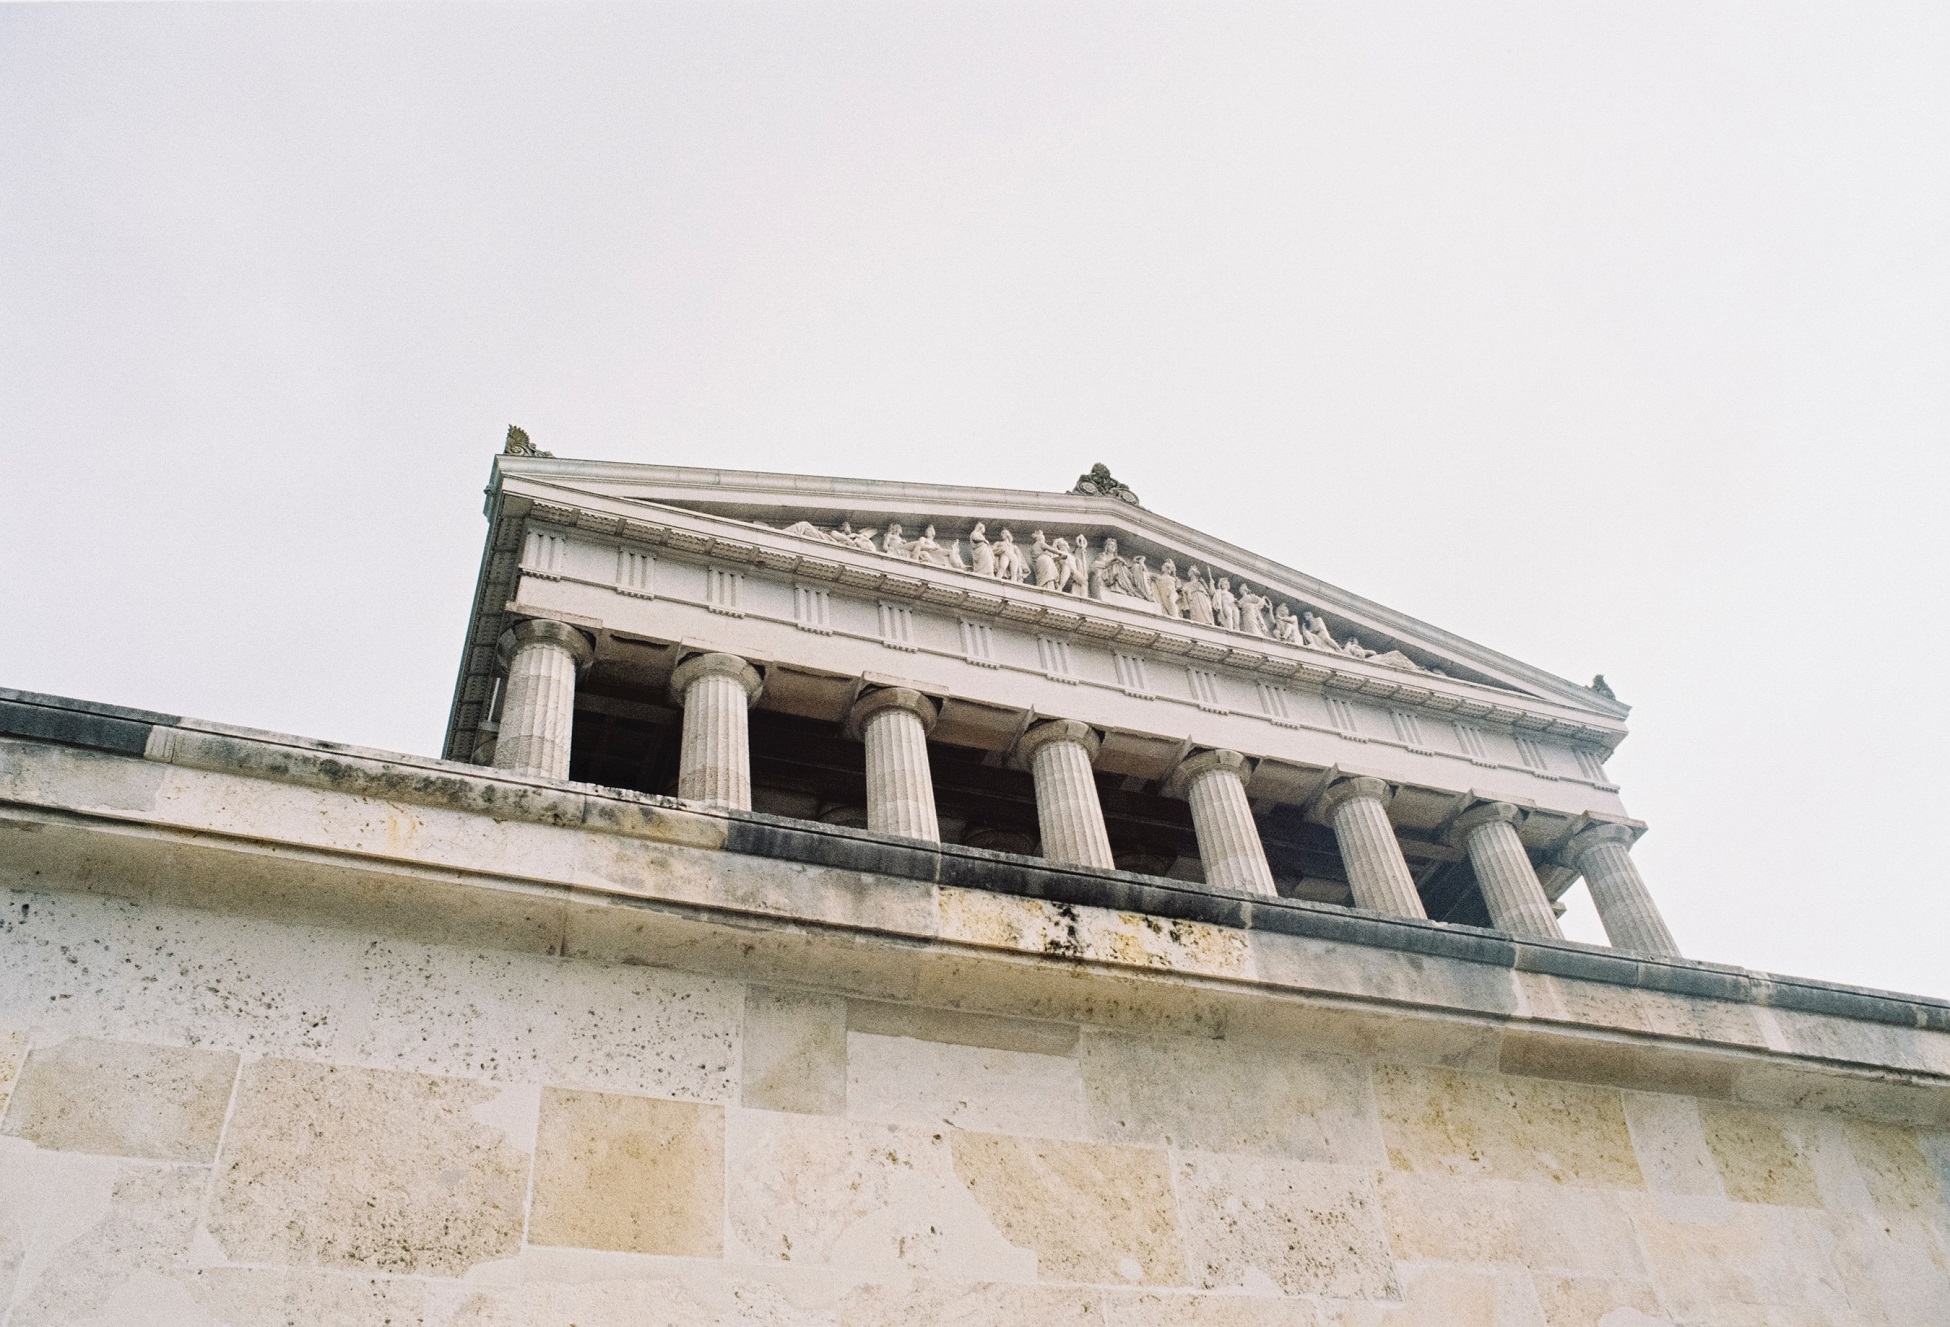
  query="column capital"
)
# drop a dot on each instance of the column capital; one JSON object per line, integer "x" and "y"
{"x": 1055, "y": 730}
{"x": 889, "y": 698}
{"x": 1486, "y": 813}
{"x": 1346, "y": 790}
{"x": 532, "y": 629}
{"x": 1179, "y": 782}
{"x": 1605, "y": 831}
{"x": 704, "y": 665}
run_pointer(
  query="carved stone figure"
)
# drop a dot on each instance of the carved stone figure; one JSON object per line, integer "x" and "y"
{"x": 1224, "y": 606}
{"x": 519, "y": 445}
{"x": 1164, "y": 589}
{"x": 806, "y": 530}
{"x": 1076, "y": 568}
{"x": 1286, "y": 626}
{"x": 1198, "y": 598}
{"x": 1314, "y": 632}
{"x": 1599, "y": 685}
{"x": 852, "y": 538}
{"x": 926, "y": 550}
{"x": 1140, "y": 576}
{"x": 1099, "y": 482}
{"x": 981, "y": 554}
{"x": 1353, "y": 647}
{"x": 1042, "y": 554}
{"x": 892, "y": 544}
{"x": 1252, "y": 611}
{"x": 1010, "y": 564}
{"x": 1110, "y": 573}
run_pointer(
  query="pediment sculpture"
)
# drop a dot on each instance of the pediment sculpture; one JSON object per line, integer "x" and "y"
{"x": 1069, "y": 566}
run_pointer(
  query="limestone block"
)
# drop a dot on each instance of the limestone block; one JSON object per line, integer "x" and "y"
{"x": 86, "y": 1238}
{"x": 1670, "y": 1144}
{"x": 1447, "y": 1296}
{"x": 1763, "y": 1156}
{"x": 329, "y": 1166}
{"x": 1132, "y": 1308}
{"x": 1727, "y": 1262}
{"x": 969, "y": 1304}
{"x": 1440, "y": 1121}
{"x": 879, "y": 1199}
{"x": 1893, "y": 1272}
{"x": 13, "y": 1050}
{"x": 794, "y": 1052}
{"x": 529, "y": 1018}
{"x": 1254, "y": 1222}
{"x": 961, "y": 1028}
{"x": 123, "y": 1098}
{"x": 912, "y": 1081}
{"x": 1571, "y": 1229}
{"x": 1221, "y": 1096}
{"x": 296, "y": 1297}
{"x": 1597, "y": 1301}
{"x": 84, "y": 966}
{"x": 1137, "y": 939}
{"x": 1090, "y": 1212}
{"x": 632, "y": 1174}
{"x": 620, "y": 1300}
{"x": 1902, "y": 1184}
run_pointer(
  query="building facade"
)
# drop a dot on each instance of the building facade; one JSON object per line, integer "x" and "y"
{"x": 849, "y": 903}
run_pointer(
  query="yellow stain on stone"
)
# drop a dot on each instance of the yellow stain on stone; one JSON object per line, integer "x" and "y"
{"x": 123, "y": 1098}
{"x": 1089, "y": 1211}
{"x": 1446, "y": 1122}
{"x": 1900, "y": 1179}
{"x": 629, "y": 1174}
{"x": 1762, "y": 1155}
{"x": 332, "y": 1166}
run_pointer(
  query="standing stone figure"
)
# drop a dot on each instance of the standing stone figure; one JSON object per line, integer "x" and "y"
{"x": 1286, "y": 626}
{"x": 1252, "y": 611}
{"x": 1164, "y": 589}
{"x": 981, "y": 555}
{"x": 1010, "y": 564}
{"x": 1140, "y": 576}
{"x": 1224, "y": 606}
{"x": 1076, "y": 573}
{"x": 1043, "y": 554}
{"x": 1198, "y": 598}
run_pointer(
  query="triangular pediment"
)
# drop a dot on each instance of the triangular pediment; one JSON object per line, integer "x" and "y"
{"x": 1024, "y": 544}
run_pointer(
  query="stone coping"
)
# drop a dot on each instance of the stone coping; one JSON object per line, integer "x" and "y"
{"x": 453, "y": 785}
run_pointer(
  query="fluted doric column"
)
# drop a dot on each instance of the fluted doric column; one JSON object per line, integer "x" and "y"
{"x": 1377, "y": 873}
{"x": 1058, "y": 754}
{"x": 1214, "y": 782}
{"x": 895, "y": 722}
{"x": 1504, "y": 873}
{"x": 715, "y": 764}
{"x": 1602, "y": 855}
{"x": 538, "y": 703}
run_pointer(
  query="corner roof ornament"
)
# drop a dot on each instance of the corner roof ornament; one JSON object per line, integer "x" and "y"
{"x": 519, "y": 445}
{"x": 1099, "y": 483}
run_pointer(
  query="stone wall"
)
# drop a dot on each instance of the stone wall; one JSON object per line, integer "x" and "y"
{"x": 224, "y": 1119}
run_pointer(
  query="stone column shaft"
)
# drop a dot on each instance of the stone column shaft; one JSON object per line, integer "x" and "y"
{"x": 1504, "y": 873}
{"x": 1228, "y": 838}
{"x": 715, "y": 762}
{"x": 894, "y": 723}
{"x": 539, "y": 698}
{"x": 1377, "y": 873}
{"x": 1058, "y": 754}
{"x": 1632, "y": 921}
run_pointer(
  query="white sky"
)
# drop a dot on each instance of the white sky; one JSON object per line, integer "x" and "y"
{"x": 1612, "y": 335}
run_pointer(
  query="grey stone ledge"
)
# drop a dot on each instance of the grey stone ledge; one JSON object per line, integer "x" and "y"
{"x": 452, "y": 785}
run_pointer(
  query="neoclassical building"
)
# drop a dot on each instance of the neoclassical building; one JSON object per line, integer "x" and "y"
{"x": 1061, "y": 675}
{"x": 869, "y": 904}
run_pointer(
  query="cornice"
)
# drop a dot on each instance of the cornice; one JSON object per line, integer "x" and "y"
{"x": 723, "y": 539}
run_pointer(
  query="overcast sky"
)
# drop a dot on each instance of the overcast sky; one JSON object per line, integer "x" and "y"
{"x": 1611, "y": 335}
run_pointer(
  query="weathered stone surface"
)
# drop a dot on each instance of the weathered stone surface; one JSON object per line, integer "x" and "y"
{"x": 86, "y": 1238}
{"x": 289, "y": 1297}
{"x": 794, "y": 1052}
{"x": 631, "y": 1174}
{"x": 961, "y": 1028}
{"x": 1447, "y": 1296}
{"x": 1308, "y": 1229}
{"x": 1597, "y": 1301}
{"x": 1169, "y": 1309}
{"x": 1538, "y": 1224}
{"x": 13, "y": 1050}
{"x": 1220, "y": 1096}
{"x": 1670, "y": 1144}
{"x": 1763, "y": 1156}
{"x": 329, "y": 1166}
{"x": 123, "y": 1098}
{"x": 1717, "y": 1261}
{"x": 1901, "y": 1182}
{"x": 1437, "y": 1121}
{"x": 964, "y": 1304}
{"x": 970, "y": 1087}
{"x": 619, "y": 1301}
{"x": 879, "y": 1199}
{"x": 1089, "y": 1211}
